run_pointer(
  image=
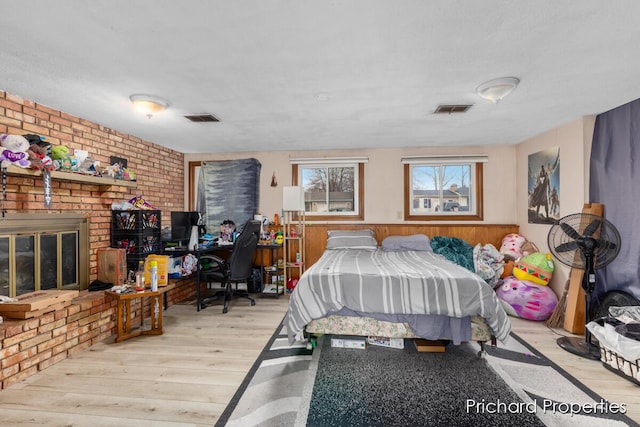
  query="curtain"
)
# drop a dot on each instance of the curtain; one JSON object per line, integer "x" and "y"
{"x": 614, "y": 182}
{"x": 228, "y": 190}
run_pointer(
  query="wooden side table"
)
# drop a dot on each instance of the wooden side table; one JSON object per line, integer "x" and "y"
{"x": 123, "y": 316}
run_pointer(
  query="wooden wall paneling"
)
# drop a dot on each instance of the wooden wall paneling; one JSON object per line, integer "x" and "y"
{"x": 316, "y": 240}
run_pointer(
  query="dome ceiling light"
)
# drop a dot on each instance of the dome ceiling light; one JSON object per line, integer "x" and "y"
{"x": 495, "y": 90}
{"x": 148, "y": 105}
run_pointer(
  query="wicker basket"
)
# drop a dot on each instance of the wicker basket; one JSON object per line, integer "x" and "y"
{"x": 619, "y": 365}
{"x": 612, "y": 347}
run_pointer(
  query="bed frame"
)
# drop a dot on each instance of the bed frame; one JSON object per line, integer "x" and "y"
{"x": 316, "y": 238}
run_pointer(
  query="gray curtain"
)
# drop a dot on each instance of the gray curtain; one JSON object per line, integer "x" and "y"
{"x": 615, "y": 182}
{"x": 228, "y": 190}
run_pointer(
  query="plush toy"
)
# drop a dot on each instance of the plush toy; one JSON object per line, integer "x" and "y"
{"x": 42, "y": 141}
{"x": 61, "y": 156}
{"x": 511, "y": 244}
{"x": 279, "y": 238}
{"x": 537, "y": 268}
{"x": 38, "y": 158}
{"x": 60, "y": 152}
{"x": 522, "y": 298}
{"x": 14, "y": 151}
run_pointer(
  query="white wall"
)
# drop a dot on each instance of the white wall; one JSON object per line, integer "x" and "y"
{"x": 384, "y": 181}
{"x": 505, "y": 179}
{"x": 574, "y": 140}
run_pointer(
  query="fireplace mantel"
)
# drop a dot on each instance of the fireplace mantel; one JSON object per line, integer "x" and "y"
{"x": 71, "y": 177}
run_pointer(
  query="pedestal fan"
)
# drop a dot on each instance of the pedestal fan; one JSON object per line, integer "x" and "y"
{"x": 587, "y": 242}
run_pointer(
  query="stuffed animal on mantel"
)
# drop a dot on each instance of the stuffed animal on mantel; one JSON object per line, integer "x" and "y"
{"x": 14, "y": 151}
{"x": 39, "y": 158}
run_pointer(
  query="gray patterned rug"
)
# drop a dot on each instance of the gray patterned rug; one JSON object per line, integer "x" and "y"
{"x": 512, "y": 385}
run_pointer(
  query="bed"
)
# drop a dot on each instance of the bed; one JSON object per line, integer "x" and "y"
{"x": 358, "y": 288}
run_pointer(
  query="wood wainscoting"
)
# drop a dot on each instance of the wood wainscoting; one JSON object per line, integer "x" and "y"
{"x": 316, "y": 234}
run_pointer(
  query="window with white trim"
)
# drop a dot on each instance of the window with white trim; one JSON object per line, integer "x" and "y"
{"x": 333, "y": 187}
{"x": 443, "y": 187}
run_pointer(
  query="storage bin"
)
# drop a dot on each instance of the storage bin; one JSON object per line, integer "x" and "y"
{"x": 618, "y": 353}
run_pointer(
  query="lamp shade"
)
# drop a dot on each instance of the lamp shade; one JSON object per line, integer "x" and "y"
{"x": 293, "y": 198}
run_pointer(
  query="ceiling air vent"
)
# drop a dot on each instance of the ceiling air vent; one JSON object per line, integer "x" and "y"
{"x": 202, "y": 118}
{"x": 450, "y": 109}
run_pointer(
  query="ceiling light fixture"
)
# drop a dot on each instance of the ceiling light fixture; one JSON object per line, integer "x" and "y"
{"x": 148, "y": 104}
{"x": 495, "y": 90}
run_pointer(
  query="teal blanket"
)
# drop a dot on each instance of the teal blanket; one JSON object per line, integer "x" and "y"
{"x": 455, "y": 250}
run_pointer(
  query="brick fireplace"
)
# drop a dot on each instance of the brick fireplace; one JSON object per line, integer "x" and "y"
{"x": 27, "y": 346}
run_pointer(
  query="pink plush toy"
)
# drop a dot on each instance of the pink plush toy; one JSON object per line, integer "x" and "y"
{"x": 525, "y": 299}
{"x": 512, "y": 245}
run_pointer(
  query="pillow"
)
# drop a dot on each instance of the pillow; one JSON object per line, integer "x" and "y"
{"x": 351, "y": 239}
{"x": 415, "y": 242}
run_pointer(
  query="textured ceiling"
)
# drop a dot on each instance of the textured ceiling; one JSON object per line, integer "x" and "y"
{"x": 296, "y": 74}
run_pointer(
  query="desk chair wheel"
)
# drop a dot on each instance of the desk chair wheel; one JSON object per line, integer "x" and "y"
{"x": 253, "y": 302}
{"x": 224, "y": 310}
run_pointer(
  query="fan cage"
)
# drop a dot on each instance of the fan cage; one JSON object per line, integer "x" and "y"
{"x": 603, "y": 231}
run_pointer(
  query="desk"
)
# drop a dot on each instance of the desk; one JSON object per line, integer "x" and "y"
{"x": 197, "y": 253}
{"x": 123, "y": 317}
{"x": 273, "y": 249}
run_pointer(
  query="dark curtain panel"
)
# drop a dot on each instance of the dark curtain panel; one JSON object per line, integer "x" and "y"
{"x": 228, "y": 190}
{"x": 615, "y": 182}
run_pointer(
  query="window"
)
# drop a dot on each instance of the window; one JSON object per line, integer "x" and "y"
{"x": 333, "y": 188}
{"x": 443, "y": 187}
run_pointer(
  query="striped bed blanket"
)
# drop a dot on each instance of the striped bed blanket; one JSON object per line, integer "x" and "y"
{"x": 403, "y": 282}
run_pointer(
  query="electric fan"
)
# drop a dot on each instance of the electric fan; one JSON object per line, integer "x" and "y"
{"x": 587, "y": 242}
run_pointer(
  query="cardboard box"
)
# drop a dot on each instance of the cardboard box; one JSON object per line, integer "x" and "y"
{"x": 112, "y": 265}
{"x": 386, "y": 342}
{"x": 349, "y": 342}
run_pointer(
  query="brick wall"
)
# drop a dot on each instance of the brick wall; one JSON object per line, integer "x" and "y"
{"x": 159, "y": 171}
{"x": 32, "y": 345}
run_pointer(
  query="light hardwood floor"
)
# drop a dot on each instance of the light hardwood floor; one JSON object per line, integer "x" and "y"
{"x": 186, "y": 376}
{"x": 591, "y": 373}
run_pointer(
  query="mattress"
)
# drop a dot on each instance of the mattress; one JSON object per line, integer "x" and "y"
{"x": 402, "y": 283}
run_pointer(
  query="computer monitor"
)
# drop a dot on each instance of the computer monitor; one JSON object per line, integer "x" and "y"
{"x": 183, "y": 225}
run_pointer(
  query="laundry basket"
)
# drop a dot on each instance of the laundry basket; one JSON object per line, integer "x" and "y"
{"x": 619, "y": 347}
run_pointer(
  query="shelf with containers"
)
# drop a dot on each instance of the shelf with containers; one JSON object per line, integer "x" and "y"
{"x": 293, "y": 229}
{"x": 138, "y": 232}
{"x": 273, "y": 272}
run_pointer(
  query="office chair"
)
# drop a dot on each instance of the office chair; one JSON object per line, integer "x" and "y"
{"x": 238, "y": 268}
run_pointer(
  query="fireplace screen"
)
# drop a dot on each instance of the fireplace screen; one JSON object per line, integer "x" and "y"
{"x": 43, "y": 259}
{"x": 38, "y": 262}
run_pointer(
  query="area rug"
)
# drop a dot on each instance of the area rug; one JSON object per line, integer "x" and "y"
{"x": 276, "y": 386}
{"x": 378, "y": 386}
